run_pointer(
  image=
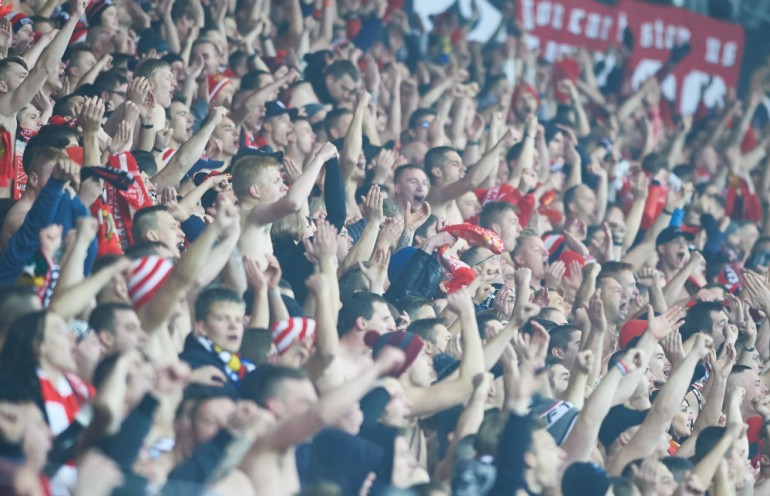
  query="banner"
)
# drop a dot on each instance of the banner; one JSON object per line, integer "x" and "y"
{"x": 559, "y": 26}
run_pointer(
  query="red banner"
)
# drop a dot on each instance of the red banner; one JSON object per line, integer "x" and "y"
{"x": 717, "y": 46}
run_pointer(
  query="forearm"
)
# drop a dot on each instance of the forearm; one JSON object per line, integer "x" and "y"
{"x": 525, "y": 161}
{"x": 278, "y": 311}
{"x": 494, "y": 348}
{"x": 658, "y": 299}
{"x": 435, "y": 93}
{"x": 457, "y": 129}
{"x": 72, "y": 265}
{"x": 369, "y": 127}
{"x": 576, "y": 389}
{"x": 328, "y": 266}
{"x": 327, "y": 340}
{"x": 707, "y": 467}
{"x": 472, "y": 361}
{"x": 581, "y": 441}
{"x": 170, "y": 34}
{"x": 602, "y": 192}
{"x": 583, "y": 125}
{"x": 630, "y": 106}
{"x": 155, "y": 313}
{"x": 351, "y": 150}
{"x": 184, "y": 158}
{"x": 394, "y": 115}
{"x": 484, "y": 167}
{"x": 91, "y": 152}
{"x": 260, "y": 310}
{"x": 300, "y": 191}
{"x": 364, "y": 247}
{"x": 575, "y": 173}
{"x": 90, "y": 76}
{"x": 191, "y": 199}
{"x": 76, "y": 299}
{"x": 663, "y": 410}
{"x": 673, "y": 289}
{"x": 111, "y": 396}
{"x": 220, "y": 255}
{"x": 146, "y": 137}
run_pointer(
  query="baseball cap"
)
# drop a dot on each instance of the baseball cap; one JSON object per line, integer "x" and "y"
{"x": 275, "y": 108}
{"x": 671, "y": 233}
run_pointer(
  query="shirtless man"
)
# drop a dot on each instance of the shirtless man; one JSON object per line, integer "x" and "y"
{"x": 264, "y": 197}
{"x": 18, "y": 85}
{"x": 361, "y": 313}
{"x": 449, "y": 181}
{"x": 290, "y": 397}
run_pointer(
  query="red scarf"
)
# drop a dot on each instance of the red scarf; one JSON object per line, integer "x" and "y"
{"x": 6, "y": 158}
{"x": 123, "y": 204}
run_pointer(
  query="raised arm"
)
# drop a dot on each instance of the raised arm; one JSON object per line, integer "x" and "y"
{"x": 189, "y": 153}
{"x": 445, "y": 394}
{"x": 666, "y": 404}
{"x": 47, "y": 64}
{"x": 324, "y": 247}
{"x": 351, "y": 150}
{"x": 330, "y": 407}
{"x": 474, "y": 177}
{"x": 298, "y": 193}
{"x": 582, "y": 440}
{"x": 158, "y": 310}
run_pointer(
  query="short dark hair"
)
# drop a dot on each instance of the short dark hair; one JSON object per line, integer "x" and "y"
{"x": 410, "y": 304}
{"x": 492, "y": 211}
{"x": 103, "y": 316}
{"x": 698, "y": 318}
{"x": 612, "y": 268}
{"x": 333, "y": 117}
{"x": 108, "y": 81}
{"x": 707, "y": 440}
{"x": 183, "y": 8}
{"x": 435, "y": 158}
{"x": 144, "y": 220}
{"x": 358, "y": 305}
{"x": 13, "y": 303}
{"x": 419, "y": 115}
{"x": 216, "y": 294}
{"x": 341, "y": 68}
{"x": 146, "y": 162}
{"x": 678, "y": 466}
{"x": 48, "y": 137}
{"x": 352, "y": 281}
{"x": 561, "y": 335}
{"x": 6, "y": 63}
{"x": 263, "y": 383}
{"x": 403, "y": 168}
{"x": 62, "y": 106}
{"x": 37, "y": 157}
{"x": 424, "y": 328}
{"x": 653, "y": 162}
{"x": 149, "y": 67}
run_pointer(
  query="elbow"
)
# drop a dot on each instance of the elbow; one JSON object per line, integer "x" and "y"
{"x": 293, "y": 203}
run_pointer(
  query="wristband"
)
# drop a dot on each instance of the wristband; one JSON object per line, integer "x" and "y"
{"x": 615, "y": 243}
{"x": 148, "y": 126}
{"x": 159, "y": 150}
{"x": 473, "y": 143}
{"x": 750, "y": 349}
{"x": 622, "y": 367}
{"x": 276, "y": 293}
{"x": 668, "y": 212}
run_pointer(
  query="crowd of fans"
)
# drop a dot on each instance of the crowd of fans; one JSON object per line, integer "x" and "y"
{"x": 258, "y": 247}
